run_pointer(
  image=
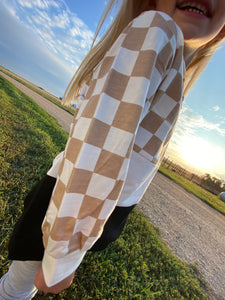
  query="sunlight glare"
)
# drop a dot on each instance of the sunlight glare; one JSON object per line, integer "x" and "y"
{"x": 200, "y": 154}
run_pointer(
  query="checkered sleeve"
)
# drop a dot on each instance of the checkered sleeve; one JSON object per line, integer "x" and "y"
{"x": 97, "y": 154}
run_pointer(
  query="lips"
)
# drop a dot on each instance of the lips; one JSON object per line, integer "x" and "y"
{"x": 202, "y": 7}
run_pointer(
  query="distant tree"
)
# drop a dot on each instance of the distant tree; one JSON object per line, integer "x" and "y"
{"x": 213, "y": 182}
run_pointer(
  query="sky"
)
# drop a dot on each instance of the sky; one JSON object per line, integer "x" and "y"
{"x": 44, "y": 41}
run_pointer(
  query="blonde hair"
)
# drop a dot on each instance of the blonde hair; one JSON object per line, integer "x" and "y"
{"x": 129, "y": 9}
{"x": 200, "y": 61}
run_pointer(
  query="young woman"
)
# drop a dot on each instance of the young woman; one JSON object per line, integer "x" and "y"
{"x": 130, "y": 90}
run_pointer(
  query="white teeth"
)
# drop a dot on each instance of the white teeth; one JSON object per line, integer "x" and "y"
{"x": 195, "y": 10}
{"x": 194, "y": 7}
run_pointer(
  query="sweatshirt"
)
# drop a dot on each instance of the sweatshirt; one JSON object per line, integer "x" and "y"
{"x": 127, "y": 113}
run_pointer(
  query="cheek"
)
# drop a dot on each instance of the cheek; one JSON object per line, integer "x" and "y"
{"x": 168, "y": 10}
{"x": 219, "y": 19}
{"x": 166, "y": 6}
{"x": 219, "y": 28}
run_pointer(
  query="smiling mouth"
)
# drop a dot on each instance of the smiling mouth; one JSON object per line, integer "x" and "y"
{"x": 195, "y": 7}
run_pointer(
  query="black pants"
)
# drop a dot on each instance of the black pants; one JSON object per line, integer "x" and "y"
{"x": 26, "y": 240}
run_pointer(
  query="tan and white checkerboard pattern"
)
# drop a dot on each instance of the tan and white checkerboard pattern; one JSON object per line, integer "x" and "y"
{"x": 131, "y": 103}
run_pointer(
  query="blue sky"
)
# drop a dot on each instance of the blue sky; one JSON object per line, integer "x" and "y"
{"x": 45, "y": 40}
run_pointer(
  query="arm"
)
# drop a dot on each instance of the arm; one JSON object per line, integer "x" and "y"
{"x": 98, "y": 150}
{"x": 55, "y": 289}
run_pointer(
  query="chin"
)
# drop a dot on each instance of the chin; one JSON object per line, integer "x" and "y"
{"x": 190, "y": 33}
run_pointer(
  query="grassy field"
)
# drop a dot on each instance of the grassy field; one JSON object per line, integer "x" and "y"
{"x": 137, "y": 266}
{"x": 38, "y": 90}
{"x": 196, "y": 190}
{"x": 29, "y": 140}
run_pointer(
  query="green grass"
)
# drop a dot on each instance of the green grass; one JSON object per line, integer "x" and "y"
{"x": 137, "y": 266}
{"x": 29, "y": 140}
{"x": 42, "y": 93}
{"x": 196, "y": 190}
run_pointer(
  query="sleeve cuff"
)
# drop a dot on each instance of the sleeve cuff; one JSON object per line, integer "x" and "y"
{"x": 57, "y": 269}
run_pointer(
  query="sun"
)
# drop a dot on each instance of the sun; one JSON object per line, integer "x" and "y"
{"x": 200, "y": 154}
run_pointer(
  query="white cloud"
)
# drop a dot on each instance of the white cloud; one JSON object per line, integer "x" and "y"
{"x": 60, "y": 30}
{"x": 41, "y": 18}
{"x": 42, "y": 4}
{"x": 33, "y": 59}
{"x": 61, "y": 20}
{"x": 216, "y": 108}
{"x": 192, "y": 121}
{"x": 10, "y": 9}
{"x": 34, "y": 3}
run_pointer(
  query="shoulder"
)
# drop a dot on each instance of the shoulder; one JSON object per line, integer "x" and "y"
{"x": 159, "y": 22}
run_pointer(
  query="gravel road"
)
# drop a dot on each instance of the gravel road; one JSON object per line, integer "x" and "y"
{"x": 193, "y": 231}
{"x": 64, "y": 118}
